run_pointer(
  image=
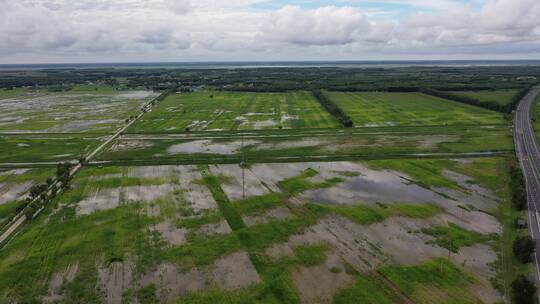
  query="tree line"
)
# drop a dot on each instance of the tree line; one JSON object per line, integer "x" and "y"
{"x": 40, "y": 194}
{"x": 333, "y": 109}
{"x": 523, "y": 288}
{"x": 491, "y": 105}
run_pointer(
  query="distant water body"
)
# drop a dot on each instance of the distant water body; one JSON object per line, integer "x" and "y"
{"x": 273, "y": 64}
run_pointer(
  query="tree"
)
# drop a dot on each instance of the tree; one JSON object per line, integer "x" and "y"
{"x": 523, "y": 248}
{"x": 62, "y": 169}
{"x": 523, "y": 290}
{"x": 519, "y": 198}
{"x": 29, "y": 212}
{"x": 36, "y": 190}
{"x": 517, "y": 185}
{"x": 62, "y": 172}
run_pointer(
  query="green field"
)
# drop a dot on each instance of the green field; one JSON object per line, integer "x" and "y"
{"x": 83, "y": 109}
{"x": 91, "y": 232}
{"x": 501, "y": 97}
{"x": 208, "y": 110}
{"x": 371, "y": 109}
{"x": 285, "y": 145}
{"x": 240, "y": 197}
{"x": 437, "y": 281}
{"x": 27, "y": 148}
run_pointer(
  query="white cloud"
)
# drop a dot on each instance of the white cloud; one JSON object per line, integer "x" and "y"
{"x": 323, "y": 26}
{"x": 155, "y": 30}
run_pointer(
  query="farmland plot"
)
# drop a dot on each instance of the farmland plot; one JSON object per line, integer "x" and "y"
{"x": 373, "y": 109}
{"x": 85, "y": 110}
{"x": 44, "y": 148}
{"x": 260, "y": 147}
{"x": 158, "y": 234}
{"x": 501, "y": 97}
{"x": 216, "y": 111}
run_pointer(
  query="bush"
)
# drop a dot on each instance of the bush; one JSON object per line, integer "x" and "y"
{"x": 523, "y": 290}
{"x": 523, "y": 248}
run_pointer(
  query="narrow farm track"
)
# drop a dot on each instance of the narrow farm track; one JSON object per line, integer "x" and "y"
{"x": 528, "y": 155}
{"x": 21, "y": 218}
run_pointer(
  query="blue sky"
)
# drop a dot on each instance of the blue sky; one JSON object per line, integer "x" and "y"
{"x": 395, "y": 8}
{"x": 43, "y": 31}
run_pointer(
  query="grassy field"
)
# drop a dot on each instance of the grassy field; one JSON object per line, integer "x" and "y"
{"x": 406, "y": 109}
{"x": 86, "y": 229}
{"x": 27, "y": 148}
{"x": 83, "y": 109}
{"x": 261, "y": 146}
{"x": 501, "y": 97}
{"x": 190, "y": 233}
{"x": 437, "y": 281}
{"x": 208, "y": 110}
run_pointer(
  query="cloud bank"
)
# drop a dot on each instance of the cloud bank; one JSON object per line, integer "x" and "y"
{"x": 34, "y": 31}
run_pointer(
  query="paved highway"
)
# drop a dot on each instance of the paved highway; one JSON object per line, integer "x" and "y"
{"x": 528, "y": 155}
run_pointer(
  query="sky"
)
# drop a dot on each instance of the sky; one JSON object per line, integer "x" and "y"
{"x": 87, "y": 31}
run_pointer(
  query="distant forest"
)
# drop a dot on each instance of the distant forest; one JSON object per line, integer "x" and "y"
{"x": 286, "y": 79}
{"x": 430, "y": 80}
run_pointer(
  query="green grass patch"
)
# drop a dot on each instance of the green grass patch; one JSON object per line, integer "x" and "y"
{"x": 204, "y": 251}
{"x": 409, "y": 109}
{"x": 365, "y": 215}
{"x": 310, "y": 255}
{"x": 126, "y": 181}
{"x": 44, "y": 148}
{"x": 227, "y": 210}
{"x": 147, "y": 294}
{"x": 363, "y": 291}
{"x": 264, "y": 235}
{"x": 301, "y": 183}
{"x": 426, "y": 173}
{"x": 453, "y": 237}
{"x": 7, "y": 210}
{"x": 96, "y": 172}
{"x": 257, "y": 203}
{"x": 37, "y": 175}
{"x": 82, "y": 288}
{"x": 197, "y": 221}
{"x": 435, "y": 281}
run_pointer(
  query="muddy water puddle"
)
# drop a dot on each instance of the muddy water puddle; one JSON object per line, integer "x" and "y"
{"x": 210, "y": 147}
